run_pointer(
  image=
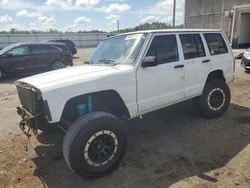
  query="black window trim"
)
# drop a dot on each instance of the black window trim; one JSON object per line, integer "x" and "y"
{"x": 203, "y": 44}
{"x": 164, "y": 34}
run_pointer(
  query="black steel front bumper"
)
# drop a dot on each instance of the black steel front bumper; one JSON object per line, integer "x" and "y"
{"x": 29, "y": 121}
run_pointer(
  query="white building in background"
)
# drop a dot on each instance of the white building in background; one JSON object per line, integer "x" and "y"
{"x": 233, "y": 16}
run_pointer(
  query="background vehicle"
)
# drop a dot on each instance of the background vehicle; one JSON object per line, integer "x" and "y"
{"x": 68, "y": 43}
{"x": 126, "y": 76}
{"x": 33, "y": 57}
{"x": 245, "y": 61}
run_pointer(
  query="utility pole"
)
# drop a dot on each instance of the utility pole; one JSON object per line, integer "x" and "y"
{"x": 118, "y": 25}
{"x": 174, "y": 9}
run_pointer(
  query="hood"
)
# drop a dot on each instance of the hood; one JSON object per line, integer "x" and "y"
{"x": 70, "y": 76}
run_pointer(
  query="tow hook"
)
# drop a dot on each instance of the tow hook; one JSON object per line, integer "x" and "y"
{"x": 26, "y": 128}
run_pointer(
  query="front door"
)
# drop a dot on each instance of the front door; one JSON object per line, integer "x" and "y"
{"x": 162, "y": 84}
{"x": 15, "y": 60}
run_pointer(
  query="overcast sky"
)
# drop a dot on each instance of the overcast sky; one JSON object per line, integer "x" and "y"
{"x": 75, "y": 15}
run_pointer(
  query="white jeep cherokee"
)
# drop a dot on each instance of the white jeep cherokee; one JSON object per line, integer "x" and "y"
{"x": 126, "y": 76}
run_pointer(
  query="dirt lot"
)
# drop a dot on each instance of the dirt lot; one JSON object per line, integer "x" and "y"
{"x": 173, "y": 147}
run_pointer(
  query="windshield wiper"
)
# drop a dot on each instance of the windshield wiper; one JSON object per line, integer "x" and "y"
{"x": 88, "y": 62}
{"x": 107, "y": 61}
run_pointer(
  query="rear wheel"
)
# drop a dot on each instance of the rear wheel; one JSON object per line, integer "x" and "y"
{"x": 57, "y": 65}
{"x": 215, "y": 99}
{"x": 95, "y": 144}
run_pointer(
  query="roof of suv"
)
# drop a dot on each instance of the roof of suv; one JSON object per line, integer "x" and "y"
{"x": 39, "y": 43}
{"x": 172, "y": 31}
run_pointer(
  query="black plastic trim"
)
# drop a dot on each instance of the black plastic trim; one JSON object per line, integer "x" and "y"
{"x": 46, "y": 110}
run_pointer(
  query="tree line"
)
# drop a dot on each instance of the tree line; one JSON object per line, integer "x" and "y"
{"x": 146, "y": 26}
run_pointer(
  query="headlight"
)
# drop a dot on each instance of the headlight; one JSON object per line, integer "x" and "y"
{"x": 247, "y": 54}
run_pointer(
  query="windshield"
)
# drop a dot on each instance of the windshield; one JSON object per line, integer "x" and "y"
{"x": 6, "y": 49}
{"x": 118, "y": 50}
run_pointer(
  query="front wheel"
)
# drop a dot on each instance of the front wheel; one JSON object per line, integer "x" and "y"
{"x": 94, "y": 144}
{"x": 215, "y": 99}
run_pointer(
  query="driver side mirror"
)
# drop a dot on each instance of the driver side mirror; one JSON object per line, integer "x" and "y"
{"x": 149, "y": 61}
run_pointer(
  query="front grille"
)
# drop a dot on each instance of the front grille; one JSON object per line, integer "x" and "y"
{"x": 29, "y": 98}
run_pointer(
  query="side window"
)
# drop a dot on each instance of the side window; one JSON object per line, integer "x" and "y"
{"x": 38, "y": 49}
{"x": 216, "y": 43}
{"x": 53, "y": 49}
{"x": 22, "y": 50}
{"x": 164, "y": 48}
{"x": 192, "y": 46}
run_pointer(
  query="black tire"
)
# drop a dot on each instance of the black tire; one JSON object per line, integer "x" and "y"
{"x": 196, "y": 102}
{"x": 57, "y": 65}
{"x": 82, "y": 137}
{"x": 215, "y": 99}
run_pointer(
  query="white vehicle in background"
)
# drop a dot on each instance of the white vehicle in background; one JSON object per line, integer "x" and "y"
{"x": 126, "y": 76}
{"x": 245, "y": 61}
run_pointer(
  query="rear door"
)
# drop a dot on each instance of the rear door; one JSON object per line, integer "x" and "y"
{"x": 197, "y": 63}
{"x": 37, "y": 58}
{"x": 42, "y": 56}
{"x": 220, "y": 54}
{"x": 15, "y": 60}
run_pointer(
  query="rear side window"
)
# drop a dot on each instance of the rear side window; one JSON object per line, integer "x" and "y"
{"x": 62, "y": 47}
{"x": 192, "y": 46}
{"x": 37, "y": 49}
{"x": 164, "y": 48}
{"x": 216, "y": 43}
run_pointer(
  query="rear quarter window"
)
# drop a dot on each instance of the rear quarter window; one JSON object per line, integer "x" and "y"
{"x": 216, "y": 43}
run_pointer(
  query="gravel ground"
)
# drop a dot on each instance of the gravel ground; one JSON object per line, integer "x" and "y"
{"x": 172, "y": 147}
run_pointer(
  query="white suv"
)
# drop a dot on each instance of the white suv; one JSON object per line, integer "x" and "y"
{"x": 126, "y": 76}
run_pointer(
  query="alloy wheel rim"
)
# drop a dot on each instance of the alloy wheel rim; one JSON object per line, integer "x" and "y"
{"x": 101, "y": 148}
{"x": 59, "y": 65}
{"x": 216, "y": 99}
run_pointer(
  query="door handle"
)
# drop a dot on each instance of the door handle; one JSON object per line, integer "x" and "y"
{"x": 178, "y": 66}
{"x": 206, "y": 61}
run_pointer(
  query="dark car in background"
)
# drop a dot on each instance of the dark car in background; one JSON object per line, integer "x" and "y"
{"x": 33, "y": 57}
{"x": 62, "y": 46}
{"x": 245, "y": 61}
{"x": 71, "y": 45}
